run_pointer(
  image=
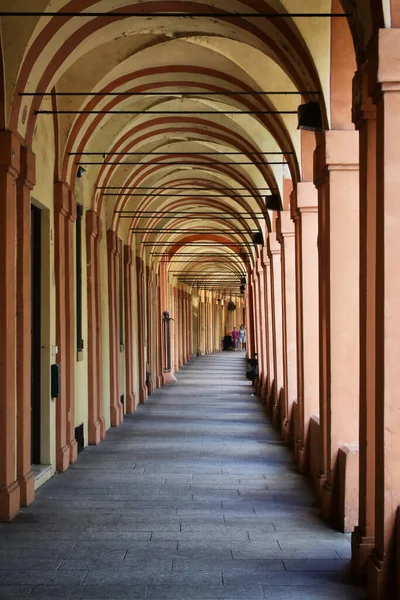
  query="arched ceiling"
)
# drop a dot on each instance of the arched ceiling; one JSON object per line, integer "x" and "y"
{"x": 161, "y": 105}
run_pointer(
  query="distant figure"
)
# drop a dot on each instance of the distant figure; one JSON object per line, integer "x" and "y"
{"x": 242, "y": 338}
{"x": 235, "y": 337}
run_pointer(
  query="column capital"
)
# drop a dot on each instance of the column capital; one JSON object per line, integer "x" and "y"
{"x": 285, "y": 226}
{"x": 92, "y": 224}
{"x": 112, "y": 242}
{"x": 274, "y": 246}
{"x": 383, "y": 52}
{"x": 61, "y": 198}
{"x": 264, "y": 257}
{"x": 27, "y": 176}
{"x": 128, "y": 255}
{"x": 10, "y": 153}
{"x": 72, "y": 206}
{"x": 304, "y": 199}
{"x": 149, "y": 274}
{"x": 363, "y": 108}
{"x": 139, "y": 265}
{"x": 337, "y": 151}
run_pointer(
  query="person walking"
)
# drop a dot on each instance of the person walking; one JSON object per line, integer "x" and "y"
{"x": 235, "y": 337}
{"x": 242, "y": 338}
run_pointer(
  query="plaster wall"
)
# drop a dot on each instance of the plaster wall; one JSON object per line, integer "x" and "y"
{"x": 43, "y": 197}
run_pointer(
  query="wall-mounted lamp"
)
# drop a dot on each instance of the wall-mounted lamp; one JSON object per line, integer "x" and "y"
{"x": 273, "y": 202}
{"x": 81, "y": 171}
{"x": 309, "y": 117}
{"x": 243, "y": 280}
{"x": 258, "y": 238}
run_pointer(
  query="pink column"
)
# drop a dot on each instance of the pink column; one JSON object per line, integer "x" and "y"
{"x": 274, "y": 250}
{"x": 285, "y": 227}
{"x": 114, "y": 249}
{"x": 364, "y": 116}
{"x": 384, "y": 79}
{"x": 61, "y": 210}
{"x": 26, "y": 183}
{"x": 70, "y": 326}
{"x": 130, "y": 401}
{"x": 94, "y": 330}
{"x": 269, "y": 328}
{"x": 140, "y": 329}
{"x": 9, "y": 169}
{"x": 149, "y": 335}
{"x": 263, "y": 326}
{"x": 305, "y": 214}
{"x": 337, "y": 175}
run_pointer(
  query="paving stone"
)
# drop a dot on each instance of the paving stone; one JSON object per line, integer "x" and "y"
{"x": 14, "y": 592}
{"x": 90, "y": 592}
{"x": 193, "y": 496}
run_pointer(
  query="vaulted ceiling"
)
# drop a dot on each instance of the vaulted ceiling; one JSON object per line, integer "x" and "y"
{"x": 189, "y": 121}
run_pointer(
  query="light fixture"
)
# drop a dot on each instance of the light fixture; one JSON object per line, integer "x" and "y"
{"x": 258, "y": 238}
{"x": 309, "y": 117}
{"x": 243, "y": 280}
{"x": 273, "y": 202}
{"x": 242, "y": 289}
{"x": 81, "y": 171}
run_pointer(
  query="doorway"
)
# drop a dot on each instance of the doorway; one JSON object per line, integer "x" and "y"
{"x": 36, "y": 345}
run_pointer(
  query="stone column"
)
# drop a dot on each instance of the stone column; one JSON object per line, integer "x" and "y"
{"x": 70, "y": 326}
{"x": 159, "y": 333}
{"x": 9, "y": 170}
{"x": 269, "y": 328}
{"x": 140, "y": 329}
{"x": 305, "y": 215}
{"x": 61, "y": 212}
{"x": 130, "y": 402}
{"x": 114, "y": 250}
{"x": 149, "y": 320}
{"x": 336, "y": 177}
{"x": 384, "y": 85}
{"x": 94, "y": 426}
{"x": 257, "y": 327}
{"x": 26, "y": 183}
{"x": 285, "y": 227}
{"x": 274, "y": 251}
{"x": 99, "y": 354}
{"x": 262, "y": 377}
{"x": 364, "y": 116}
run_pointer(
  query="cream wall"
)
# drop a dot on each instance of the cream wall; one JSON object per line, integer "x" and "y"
{"x": 43, "y": 197}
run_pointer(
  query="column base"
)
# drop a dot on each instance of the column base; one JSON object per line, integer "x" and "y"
{"x": 73, "y": 451}
{"x": 159, "y": 381}
{"x": 130, "y": 403}
{"x": 361, "y": 548}
{"x": 103, "y": 428}
{"x": 285, "y": 429}
{"x": 143, "y": 394}
{"x": 326, "y": 501}
{"x": 9, "y": 502}
{"x": 378, "y": 578}
{"x": 275, "y": 415}
{"x": 94, "y": 430}
{"x": 301, "y": 457}
{"x": 169, "y": 378}
{"x": 150, "y": 387}
{"x": 116, "y": 414}
{"x": 27, "y": 488}
{"x": 62, "y": 462}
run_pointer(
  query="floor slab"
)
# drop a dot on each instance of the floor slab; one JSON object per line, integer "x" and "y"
{"x": 193, "y": 496}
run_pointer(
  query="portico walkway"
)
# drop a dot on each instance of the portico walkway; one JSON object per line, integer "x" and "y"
{"x": 193, "y": 497}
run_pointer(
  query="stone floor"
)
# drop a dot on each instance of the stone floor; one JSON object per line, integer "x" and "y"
{"x": 193, "y": 497}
